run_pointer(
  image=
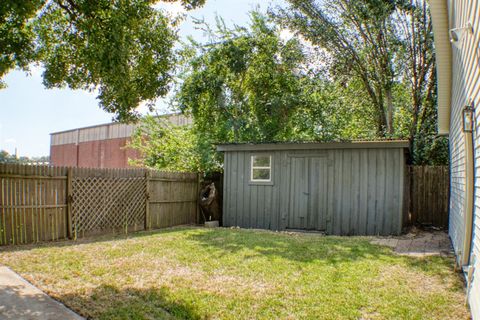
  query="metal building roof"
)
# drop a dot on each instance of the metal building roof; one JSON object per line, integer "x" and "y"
{"x": 107, "y": 131}
{"x": 315, "y": 145}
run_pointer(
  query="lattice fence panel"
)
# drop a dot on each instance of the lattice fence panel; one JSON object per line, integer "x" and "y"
{"x": 106, "y": 203}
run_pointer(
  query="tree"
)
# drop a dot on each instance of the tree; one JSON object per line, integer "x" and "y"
{"x": 247, "y": 84}
{"x": 121, "y": 48}
{"x": 16, "y": 34}
{"x": 244, "y": 85}
{"x": 359, "y": 37}
{"x": 418, "y": 57}
{"x": 169, "y": 147}
{"x": 5, "y": 157}
{"x": 387, "y": 47}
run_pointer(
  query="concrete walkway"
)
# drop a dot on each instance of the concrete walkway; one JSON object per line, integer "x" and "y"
{"x": 419, "y": 243}
{"x": 21, "y": 301}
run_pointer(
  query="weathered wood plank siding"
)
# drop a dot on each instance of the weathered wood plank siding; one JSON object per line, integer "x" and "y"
{"x": 355, "y": 191}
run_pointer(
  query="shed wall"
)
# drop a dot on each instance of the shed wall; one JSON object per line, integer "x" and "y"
{"x": 361, "y": 189}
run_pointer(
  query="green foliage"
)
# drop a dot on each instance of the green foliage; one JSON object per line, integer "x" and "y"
{"x": 380, "y": 55}
{"x": 332, "y": 111}
{"x": 250, "y": 85}
{"x": 123, "y": 49}
{"x": 16, "y": 34}
{"x": 5, "y": 157}
{"x": 169, "y": 147}
{"x": 373, "y": 76}
{"x": 360, "y": 41}
{"x": 244, "y": 85}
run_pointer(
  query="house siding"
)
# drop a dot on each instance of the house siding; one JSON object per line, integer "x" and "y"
{"x": 360, "y": 191}
{"x": 465, "y": 86}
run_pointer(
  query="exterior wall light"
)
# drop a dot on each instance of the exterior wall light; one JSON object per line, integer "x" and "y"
{"x": 468, "y": 118}
{"x": 457, "y": 34}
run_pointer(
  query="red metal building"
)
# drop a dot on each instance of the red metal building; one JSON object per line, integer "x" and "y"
{"x": 100, "y": 146}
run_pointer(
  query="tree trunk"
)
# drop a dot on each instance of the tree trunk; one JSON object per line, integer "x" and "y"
{"x": 389, "y": 116}
{"x": 381, "y": 121}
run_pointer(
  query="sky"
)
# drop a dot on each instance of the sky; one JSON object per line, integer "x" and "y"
{"x": 29, "y": 112}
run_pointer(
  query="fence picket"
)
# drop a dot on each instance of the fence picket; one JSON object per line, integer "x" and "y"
{"x": 429, "y": 195}
{"x": 42, "y": 203}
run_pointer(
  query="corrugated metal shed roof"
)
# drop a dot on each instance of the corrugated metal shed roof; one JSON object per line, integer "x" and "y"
{"x": 312, "y": 145}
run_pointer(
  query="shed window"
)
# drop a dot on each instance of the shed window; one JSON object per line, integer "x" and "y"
{"x": 261, "y": 168}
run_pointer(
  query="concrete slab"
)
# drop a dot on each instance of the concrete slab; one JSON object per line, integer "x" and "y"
{"x": 20, "y": 300}
{"x": 419, "y": 243}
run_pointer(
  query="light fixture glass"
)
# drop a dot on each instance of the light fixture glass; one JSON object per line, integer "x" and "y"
{"x": 468, "y": 118}
{"x": 457, "y": 34}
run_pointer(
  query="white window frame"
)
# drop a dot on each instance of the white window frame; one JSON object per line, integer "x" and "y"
{"x": 252, "y": 167}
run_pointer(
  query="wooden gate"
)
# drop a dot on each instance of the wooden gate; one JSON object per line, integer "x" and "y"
{"x": 429, "y": 192}
{"x": 173, "y": 198}
{"x": 32, "y": 203}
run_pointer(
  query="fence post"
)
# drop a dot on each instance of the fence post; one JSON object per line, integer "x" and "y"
{"x": 69, "y": 203}
{"x": 147, "y": 200}
{"x": 199, "y": 188}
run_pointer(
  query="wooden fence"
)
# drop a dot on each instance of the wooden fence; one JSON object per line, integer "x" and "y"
{"x": 42, "y": 203}
{"x": 429, "y": 194}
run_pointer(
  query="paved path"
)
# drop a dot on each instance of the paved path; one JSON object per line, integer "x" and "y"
{"x": 419, "y": 243}
{"x": 20, "y": 300}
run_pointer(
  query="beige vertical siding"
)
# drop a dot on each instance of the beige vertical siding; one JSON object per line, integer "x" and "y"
{"x": 107, "y": 131}
{"x": 118, "y": 130}
{"x": 465, "y": 86}
{"x": 66, "y": 137}
{"x": 95, "y": 133}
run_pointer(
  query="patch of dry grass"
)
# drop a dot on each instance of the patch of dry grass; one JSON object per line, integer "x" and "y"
{"x": 197, "y": 273}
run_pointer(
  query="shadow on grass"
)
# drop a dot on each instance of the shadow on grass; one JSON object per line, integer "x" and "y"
{"x": 306, "y": 248}
{"x": 291, "y": 246}
{"x": 109, "y": 302}
{"x": 296, "y": 247}
{"x": 228, "y": 246}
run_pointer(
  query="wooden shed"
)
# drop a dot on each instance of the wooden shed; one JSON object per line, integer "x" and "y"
{"x": 341, "y": 188}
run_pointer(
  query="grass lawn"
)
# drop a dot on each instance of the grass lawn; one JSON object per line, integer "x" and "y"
{"x": 198, "y": 273}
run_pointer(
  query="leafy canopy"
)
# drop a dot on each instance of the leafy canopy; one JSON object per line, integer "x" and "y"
{"x": 170, "y": 147}
{"x": 121, "y": 48}
{"x": 5, "y": 157}
{"x": 248, "y": 84}
{"x": 244, "y": 85}
{"x": 384, "y": 51}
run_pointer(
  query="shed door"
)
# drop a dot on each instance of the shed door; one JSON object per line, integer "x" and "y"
{"x": 308, "y": 194}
